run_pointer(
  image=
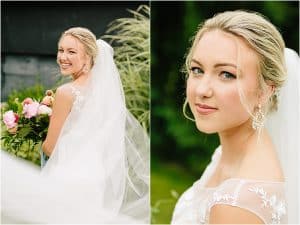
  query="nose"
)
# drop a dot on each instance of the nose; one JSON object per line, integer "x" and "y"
{"x": 204, "y": 87}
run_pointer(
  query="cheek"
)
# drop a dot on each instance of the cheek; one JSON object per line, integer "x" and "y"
{"x": 58, "y": 56}
{"x": 190, "y": 91}
{"x": 73, "y": 58}
{"x": 234, "y": 108}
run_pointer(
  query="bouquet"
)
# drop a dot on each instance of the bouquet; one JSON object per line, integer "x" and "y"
{"x": 25, "y": 124}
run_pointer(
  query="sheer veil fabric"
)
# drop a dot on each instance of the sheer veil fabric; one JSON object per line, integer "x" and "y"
{"x": 284, "y": 128}
{"x": 99, "y": 169}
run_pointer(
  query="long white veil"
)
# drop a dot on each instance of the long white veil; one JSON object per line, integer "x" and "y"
{"x": 99, "y": 169}
{"x": 284, "y": 128}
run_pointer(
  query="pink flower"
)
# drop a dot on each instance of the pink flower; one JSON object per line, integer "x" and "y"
{"x": 43, "y": 109}
{"x": 30, "y": 110}
{"x": 27, "y": 101}
{"x": 10, "y": 119}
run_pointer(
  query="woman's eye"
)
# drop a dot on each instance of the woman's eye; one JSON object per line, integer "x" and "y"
{"x": 60, "y": 50}
{"x": 227, "y": 76}
{"x": 196, "y": 70}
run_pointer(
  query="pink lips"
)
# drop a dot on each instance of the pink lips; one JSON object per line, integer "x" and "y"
{"x": 205, "y": 109}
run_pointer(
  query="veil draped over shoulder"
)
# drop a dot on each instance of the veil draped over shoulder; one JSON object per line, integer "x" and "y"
{"x": 284, "y": 128}
{"x": 99, "y": 169}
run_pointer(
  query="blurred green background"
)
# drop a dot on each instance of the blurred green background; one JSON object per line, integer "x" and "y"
{"x": 179, "y": 152}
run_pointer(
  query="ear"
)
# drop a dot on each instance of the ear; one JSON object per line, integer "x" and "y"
{"x": 267, "y": 92}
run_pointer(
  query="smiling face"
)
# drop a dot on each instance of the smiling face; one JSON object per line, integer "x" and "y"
{"x": 214, "y": 84}
{"x": 71, "y": 56}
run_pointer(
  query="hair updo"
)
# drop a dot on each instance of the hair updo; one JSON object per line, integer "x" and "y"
{"x": 263, "y": 38}
{"x": 87, "y": 38}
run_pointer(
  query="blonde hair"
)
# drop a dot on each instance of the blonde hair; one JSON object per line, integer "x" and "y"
{"x": 263, "y": 38}
{"x": 87, "y": 38}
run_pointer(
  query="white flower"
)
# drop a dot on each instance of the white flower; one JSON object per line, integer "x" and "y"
{"x": 43, "y": 109}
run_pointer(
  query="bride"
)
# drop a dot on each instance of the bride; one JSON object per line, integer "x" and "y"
{"x": 236, "y": 74}
{"x": 98, "y": 166}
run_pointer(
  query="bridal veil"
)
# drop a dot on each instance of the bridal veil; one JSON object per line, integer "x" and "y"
{"x": 284, "y": 128}
{"x": 99, "y": 169}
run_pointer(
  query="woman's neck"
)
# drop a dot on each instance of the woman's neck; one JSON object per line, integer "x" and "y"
{"x": 244, "y": 148}
{"x": 238, "y": 141}
{"x": 81, "y": 80}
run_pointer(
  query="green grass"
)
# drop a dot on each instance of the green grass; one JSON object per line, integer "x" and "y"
{"x": 168, "y": 182}
{"x": 131, "y": 40}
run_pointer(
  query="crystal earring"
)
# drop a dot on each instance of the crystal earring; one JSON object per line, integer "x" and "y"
{"x": 258, "y": 119}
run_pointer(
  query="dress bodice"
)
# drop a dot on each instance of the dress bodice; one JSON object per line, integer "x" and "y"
{"x": 265, "y": 199}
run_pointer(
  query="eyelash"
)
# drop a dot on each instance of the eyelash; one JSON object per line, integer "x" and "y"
{"x": 192, "y": 69}
{"x": 229, "y": 77}
{"x": 61, "y": 50}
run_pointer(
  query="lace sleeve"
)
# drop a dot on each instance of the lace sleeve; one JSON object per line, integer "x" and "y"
{"x": 78, "y": 98}
{"x": 264, "y": 199}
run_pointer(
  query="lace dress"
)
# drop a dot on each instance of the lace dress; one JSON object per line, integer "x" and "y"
{"x": 263, "y": 198}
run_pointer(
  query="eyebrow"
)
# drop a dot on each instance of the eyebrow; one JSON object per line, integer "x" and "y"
{"x": 216, "y": 65}
{"x": 67, "y": 48}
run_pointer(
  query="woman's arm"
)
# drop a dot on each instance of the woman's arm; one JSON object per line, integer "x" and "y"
{"x": 61, "y": 109}
{"x": 226, "y": 214}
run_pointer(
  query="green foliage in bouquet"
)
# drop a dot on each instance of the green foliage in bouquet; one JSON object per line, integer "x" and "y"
{"x": 23, "y": 137}
{"x": 131, "y": 38}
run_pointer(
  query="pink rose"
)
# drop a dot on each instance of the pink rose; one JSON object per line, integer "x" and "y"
{"x": 27, "y": 101}
{"x": 43, "y": 109}
{"x": 30, "y": 110}
{"x": 10, "y": 119}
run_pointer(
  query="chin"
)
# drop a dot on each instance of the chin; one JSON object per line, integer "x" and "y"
{"x": 206, "y": 128}
{"x": 65, "y": 72}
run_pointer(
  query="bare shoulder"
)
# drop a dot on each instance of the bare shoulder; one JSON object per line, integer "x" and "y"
{"x": 230, "y": 214}
{"x": 64, "y": 95}
{"x": 65, "y": 87}
{"x": 64, "y": 91}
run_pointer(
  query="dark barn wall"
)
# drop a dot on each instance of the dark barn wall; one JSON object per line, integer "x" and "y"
{"x": 30, "y": 31}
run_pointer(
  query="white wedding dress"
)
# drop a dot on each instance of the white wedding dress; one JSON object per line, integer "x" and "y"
{"x": 263, "y": 198}
{"x": 99, "y": 169}
{"x": 272, "y": 202}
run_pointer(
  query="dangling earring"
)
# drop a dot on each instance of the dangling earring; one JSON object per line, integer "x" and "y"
{"x": 258, "y": 119}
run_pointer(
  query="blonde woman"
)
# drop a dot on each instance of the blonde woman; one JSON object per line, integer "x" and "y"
{"x": 235, "y": 71}
{"x": 98, "y": 165}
